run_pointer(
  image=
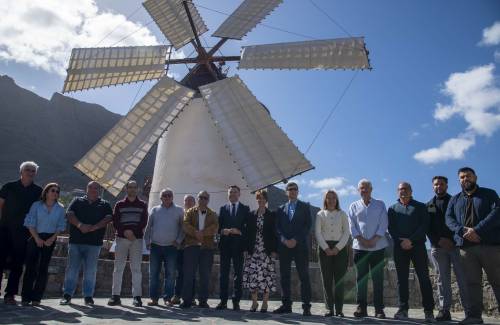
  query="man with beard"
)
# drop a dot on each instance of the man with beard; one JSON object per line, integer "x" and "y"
{"x": 444, "y": 252}
{"x": 474, "y": 217}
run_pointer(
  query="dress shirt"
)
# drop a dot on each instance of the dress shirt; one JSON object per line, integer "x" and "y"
{"x": 367, "y": 221}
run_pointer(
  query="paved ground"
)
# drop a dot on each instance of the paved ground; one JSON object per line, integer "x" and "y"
{"x": 51, "y": 313}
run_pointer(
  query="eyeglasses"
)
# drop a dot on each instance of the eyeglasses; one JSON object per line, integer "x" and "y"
{"x": 292, "y": 189}
{"x": 202, "y": 197}
{"x": 52, "y": 190}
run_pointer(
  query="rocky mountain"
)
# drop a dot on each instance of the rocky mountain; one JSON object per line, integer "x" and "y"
{"x": 55, "y": 133}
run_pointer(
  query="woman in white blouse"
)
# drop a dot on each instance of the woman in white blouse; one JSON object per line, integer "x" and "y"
{"x": 332, "y": 235}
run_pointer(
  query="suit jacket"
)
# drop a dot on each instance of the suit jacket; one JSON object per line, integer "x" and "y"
{"x": 190, "y": 227}
{"x": 298, "y": 228}
{"x": 269, "y": 232}
{"x": 239, "y": 222}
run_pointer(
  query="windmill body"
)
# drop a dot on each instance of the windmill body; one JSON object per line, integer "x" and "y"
{"x": 211, "y": 131}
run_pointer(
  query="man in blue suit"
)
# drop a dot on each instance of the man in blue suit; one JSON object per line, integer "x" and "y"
{"x": 293, "y": 223}
{"x": 233, "y": 218}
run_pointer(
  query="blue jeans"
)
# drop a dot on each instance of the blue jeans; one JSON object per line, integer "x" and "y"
{"x": 79, "y": 254}
{"x": 166, "y": 255}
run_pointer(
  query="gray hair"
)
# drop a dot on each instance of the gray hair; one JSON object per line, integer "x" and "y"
{"x": 165, "y": 190}
{"x": 364, "y": 181}
{"x": 28, "y": 164}
{"x": 189, "y": 196}
{"x": 204, "y": 193}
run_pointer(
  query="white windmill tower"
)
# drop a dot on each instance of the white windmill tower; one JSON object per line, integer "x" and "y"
{"x": 222, "y": 135}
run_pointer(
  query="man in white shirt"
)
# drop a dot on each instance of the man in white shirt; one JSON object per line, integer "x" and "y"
{"x": 368, "y": 226}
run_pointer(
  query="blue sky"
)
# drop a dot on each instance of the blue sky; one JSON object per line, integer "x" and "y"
{"x": 430, "y": 105}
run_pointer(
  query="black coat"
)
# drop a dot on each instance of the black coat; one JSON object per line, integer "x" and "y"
{"x": 269, "y": 232}
{"x": 300, "y": 225}
{"x": 232, "y": 242}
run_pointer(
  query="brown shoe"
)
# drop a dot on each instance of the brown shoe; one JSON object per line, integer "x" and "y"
{"x": 153, "y": 302}
{"x": 168, "y": 302}
{"x": 380, "y": 314}
{"x": 175, "y": 300}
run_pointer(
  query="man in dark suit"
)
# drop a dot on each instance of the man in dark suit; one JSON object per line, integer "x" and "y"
{"x": 293, "y": 223}
{"x": 233, "y": 218}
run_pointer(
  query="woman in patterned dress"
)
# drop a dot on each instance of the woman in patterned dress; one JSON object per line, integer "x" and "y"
{"x": 259, "y": 275}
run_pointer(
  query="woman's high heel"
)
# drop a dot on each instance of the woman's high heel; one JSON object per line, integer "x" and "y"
{"x": 255, "y": 305}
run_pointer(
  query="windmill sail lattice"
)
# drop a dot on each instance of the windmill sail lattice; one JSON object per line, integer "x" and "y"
{"x": 262, "y": 153}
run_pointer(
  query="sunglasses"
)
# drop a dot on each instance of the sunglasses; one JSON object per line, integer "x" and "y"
{"x": 202, "y": 197}
{"x": 292, "y": 189}
{"x": 54, "y": 191}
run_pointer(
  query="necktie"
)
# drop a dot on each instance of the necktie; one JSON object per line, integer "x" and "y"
{"x": 291, "y": 211}
{"x": 233, "y": 210}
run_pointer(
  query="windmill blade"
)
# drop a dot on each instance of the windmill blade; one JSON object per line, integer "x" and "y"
{"x": 99, "y": 67}
{"x": 263, "y": 152}
{"x": 173, "y": 21}
{"x": 114, "y": 159}
{"x": 245, "y": 18}
{"x": 343, "y": 53}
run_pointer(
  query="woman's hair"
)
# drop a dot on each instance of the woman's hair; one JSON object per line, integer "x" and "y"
{"x": 262, "y": 194}
{"x": 325, "y": 205}
{"x": 46, "y": 190}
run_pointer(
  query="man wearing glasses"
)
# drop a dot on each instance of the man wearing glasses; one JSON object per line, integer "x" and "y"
{"x": 163, "y": 235}
{"x": 293, "y": 224}
{"x": 200, "y": 226}
{"x": 16, "y": 199}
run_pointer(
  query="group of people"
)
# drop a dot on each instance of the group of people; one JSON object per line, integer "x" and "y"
{"x": 462, "y": 229}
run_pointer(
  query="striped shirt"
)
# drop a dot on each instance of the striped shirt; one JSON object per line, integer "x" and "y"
{"x": 130, "y": 215}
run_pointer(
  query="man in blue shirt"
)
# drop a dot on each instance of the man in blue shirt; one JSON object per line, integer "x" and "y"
{"x": 368, "y": 226}
{"x": 408, "y": 223}
{"x": 474, "y": 217}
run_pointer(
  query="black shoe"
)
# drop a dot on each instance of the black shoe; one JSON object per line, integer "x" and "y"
{"x": 340, "y": 314}
{"x": 114, "y": 300}
{"x": 185, "y": 305}
{"x": 137, "y": 302}
{"x": 443, "y": 316}
{"x": 203, "y": 304}
{"x": 25, "y": 303}
{"x": 88, "y": 301}
{"x": 380, "y": 314}
{"x": 469, "y": 320}
{"x": 360, "y": 312}
{"x": 236, "y": 306}
{"x": 66, "y": 300}
{"x": 306, "y": 311}
{"x": 221, "y": 306}
{"x": 283, "y": 310}
{"x": 9, "y": 300}
{"x": 429, "y": 316}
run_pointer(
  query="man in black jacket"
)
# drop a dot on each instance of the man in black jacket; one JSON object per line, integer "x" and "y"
{"x": 233, "y": 218}
{"x": 444, "y": 252}
{"x": 408, "y": 224}
{"x": 474, "y": 217}
{"x": 293, "y": 223}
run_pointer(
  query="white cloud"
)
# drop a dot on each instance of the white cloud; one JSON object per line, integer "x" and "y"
{"x": 453, "y": 148}
{"x": 496, "y": 55}
{"x": 339, "y": 184}
{"x": 42, "y": 33}
{"x": 475, "y": 97}
{"x": 491, "y": 35}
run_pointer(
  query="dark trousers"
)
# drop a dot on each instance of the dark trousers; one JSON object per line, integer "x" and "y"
{"x": 37, "y": 269}
{"x": 180, "y": 274}
{"x": 300, "y": 255}
{"x": 229, "y": 254}
{"x": 13, "y": 245}
{"x": 474, "y": 260}
{"x": 373, "y": 263}
{"x": 198, "y": 260}
{"x": 418, "y": 256}
{"x": 333, "y": 268}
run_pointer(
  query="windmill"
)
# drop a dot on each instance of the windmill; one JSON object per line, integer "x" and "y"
{"x": 222, "y": 134}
